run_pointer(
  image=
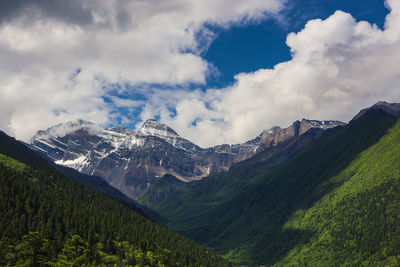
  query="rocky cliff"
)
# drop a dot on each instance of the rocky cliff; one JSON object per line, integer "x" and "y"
{"x": 133, "y": 160}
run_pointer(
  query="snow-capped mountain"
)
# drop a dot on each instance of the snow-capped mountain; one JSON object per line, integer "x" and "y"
{"x": 133, "y": 160}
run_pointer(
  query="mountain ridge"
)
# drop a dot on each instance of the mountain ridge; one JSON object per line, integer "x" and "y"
{"x": 133, "y": 160}
{"x": 244, "y": 213}
{"x": 390, "y": 108}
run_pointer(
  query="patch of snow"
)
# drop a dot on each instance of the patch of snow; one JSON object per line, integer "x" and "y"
{"x": 255, "y": 149}
{"x": 126, "y": 166}
{"x": 99, "y": 153}
{"x": 137, "y": 141}
{"x": 113, "y": 133}
{"x": 59, "y": 148}
{"x": 75, "y": 143}
{"x": 41, "y": 149}
{"x": 93, "y": 144}
{"x": 77, "y": 163}
{"x": 45, "y": 143}
{"x": 225, "y": 152}
{"x": 58, "y": 141}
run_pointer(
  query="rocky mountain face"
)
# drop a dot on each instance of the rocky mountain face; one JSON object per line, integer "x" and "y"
{"x": 170, "y": 188}
{"x": 134, "y": 160}
{"x": 390, "y": 108}
{"x": 276, "y": 135}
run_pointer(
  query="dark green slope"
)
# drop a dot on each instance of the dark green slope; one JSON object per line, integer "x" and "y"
{"x": 9, "y": 146}
{"x": 267, "y": 221}
{"x": 35, "y": 199}
{"x": 173, "y": 197}
{"x": 17, "y": 150}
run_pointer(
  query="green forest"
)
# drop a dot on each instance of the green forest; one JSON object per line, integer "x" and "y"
{"x": 336, "y": 203}
{"x": 47, "y": 219}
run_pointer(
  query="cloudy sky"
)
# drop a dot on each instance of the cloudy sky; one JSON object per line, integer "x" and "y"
{"x": 217, "y": 71}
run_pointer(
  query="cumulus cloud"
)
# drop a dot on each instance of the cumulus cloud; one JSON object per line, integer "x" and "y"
{"x": 338, "y": 66}
{"x": 57, "y": 57}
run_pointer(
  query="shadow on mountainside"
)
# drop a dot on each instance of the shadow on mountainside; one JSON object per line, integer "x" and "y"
{"x": 251, "y": 224}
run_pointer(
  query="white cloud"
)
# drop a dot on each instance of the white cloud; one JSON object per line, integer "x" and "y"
{"x": 111, "y": 41}
{"x": 338, "y": 67}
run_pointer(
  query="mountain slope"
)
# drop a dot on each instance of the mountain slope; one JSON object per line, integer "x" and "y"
{"x": 358, "y": 222}
{"x": 19, "y": 151}
{"x": 132, "y": 161}
{"x": 253, "y": 225}
{"x": 14, "y": 149}
{"x": 390, "y": 108}
{"x": 33, "y": 199}
{"x": 225, "y": 185}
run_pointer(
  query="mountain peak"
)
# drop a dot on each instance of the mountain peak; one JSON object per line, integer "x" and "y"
{"x": 390, "y": 108}
{"x": 302, "y": 126}
{"x": 276, "y": 135}
{"x": 62, "y": 129}
{"x": 156, "y": 128}
{"x": 321, "y": 124}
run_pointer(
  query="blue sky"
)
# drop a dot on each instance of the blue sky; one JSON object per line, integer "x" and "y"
{"x": 247, "y": 48}
{"x": 217, "y": 71}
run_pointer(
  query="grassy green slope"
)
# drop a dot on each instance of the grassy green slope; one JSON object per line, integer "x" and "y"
{"x": 358, "y": 223}
{"x": 37, "y": 199}
{"x": 261, "y": 223}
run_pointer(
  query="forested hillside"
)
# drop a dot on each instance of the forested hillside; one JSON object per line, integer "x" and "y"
{"x": 15, "y": 149}
{"x": 336, "y": 203}
{"x": 46, "y": 219}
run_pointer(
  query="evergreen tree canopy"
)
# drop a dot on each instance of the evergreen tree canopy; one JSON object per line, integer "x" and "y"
{"x": 48, "y": 219}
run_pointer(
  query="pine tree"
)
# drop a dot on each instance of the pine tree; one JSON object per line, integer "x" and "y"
{"x": 74, "y": 253}
{"x": 33, "y": 250}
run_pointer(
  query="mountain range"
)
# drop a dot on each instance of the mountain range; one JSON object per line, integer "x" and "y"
{"x": 48, "y": 218}
{"x": 132, "y": 161}
{"x": 317, "y": 193}
{"x": 333, "y": 203}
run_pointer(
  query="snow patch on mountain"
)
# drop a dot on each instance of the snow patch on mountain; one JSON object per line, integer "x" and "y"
{"x": 131, "y": 159}
{"x": 63, "y": 129}
{"x": 155, "y": 128}
{"x": 77, "y": 163}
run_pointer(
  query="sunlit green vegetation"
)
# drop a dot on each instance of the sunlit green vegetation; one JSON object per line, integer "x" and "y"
{"x": 336, "y": 203}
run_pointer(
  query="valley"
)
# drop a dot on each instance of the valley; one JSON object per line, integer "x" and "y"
{"x": 291, "y": 196}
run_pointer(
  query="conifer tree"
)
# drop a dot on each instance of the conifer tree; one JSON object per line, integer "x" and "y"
{"x": 32, "y": 251}
{"x": 74, "y": 253}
